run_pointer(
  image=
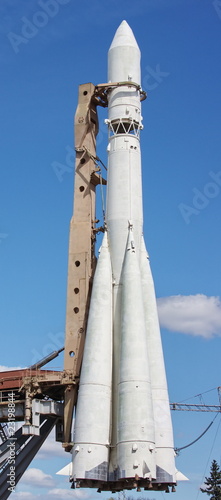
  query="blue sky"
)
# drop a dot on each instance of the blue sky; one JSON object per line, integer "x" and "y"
{"x": 44, "y": 57}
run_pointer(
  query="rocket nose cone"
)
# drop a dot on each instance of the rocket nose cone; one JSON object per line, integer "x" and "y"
{"x": 124, "y": 56}
{"x": 124, "y": 36}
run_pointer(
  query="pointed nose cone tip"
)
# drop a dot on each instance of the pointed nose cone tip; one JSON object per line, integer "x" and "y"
{"x": 124, "y": 56}
{"x": 124, "y": 36}
{"x": 104, "y": 243}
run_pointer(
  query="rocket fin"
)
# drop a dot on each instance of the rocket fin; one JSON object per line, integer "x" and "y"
{"x": 180, "y": 476}
{"x": 65, "y": 471}
{"x": 92, "y": 422}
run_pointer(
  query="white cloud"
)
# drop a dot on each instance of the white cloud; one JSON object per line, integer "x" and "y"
{"x": 23, "y": 494}
{"x": 51, "y": 448}
{"x": 54, "y": 493}
{"x": 197, "y": 315}
{"x": 36, "y": 477}
{"x": 10, "y": 368}
{"x": 62, "y": 494}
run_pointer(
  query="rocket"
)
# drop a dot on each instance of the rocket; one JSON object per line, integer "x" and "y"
{"x": 123, "y": 436}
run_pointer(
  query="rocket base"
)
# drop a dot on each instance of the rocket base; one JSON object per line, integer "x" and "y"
{"x": 123, "y": 484}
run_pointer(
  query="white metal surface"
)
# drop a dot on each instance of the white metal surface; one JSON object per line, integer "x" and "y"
{"x": 124, "y": 193}
{"x": 124, "y": 56}
{"x": 124, "y": 186}
{"x": 140, "y": 437}
{"x": 136, "y": 437}
{"x": 92, "y": 423}
{"x": 161, "y": 408}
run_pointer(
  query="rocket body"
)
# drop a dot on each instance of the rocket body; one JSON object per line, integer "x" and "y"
{"x": 123, "y": 432}
{"x": 124, "y": 192}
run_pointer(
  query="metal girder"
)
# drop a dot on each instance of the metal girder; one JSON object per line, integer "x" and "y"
{"x": 19, "y": 411}
{"x": 81, "y": 260}
{"x": 19, "y": 440}
{"x": 39, "y": 408}
{"x": 3, "y": 431}
{"x": 200, "y": 407}
{"x": 16, "y": 464}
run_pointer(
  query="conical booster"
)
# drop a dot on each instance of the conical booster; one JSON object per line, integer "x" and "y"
{"x": 92, "y": 424}
{"x": 136, "y": 435}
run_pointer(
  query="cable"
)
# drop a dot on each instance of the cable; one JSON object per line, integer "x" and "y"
{"x": 209, "y": 457}
{"x": 197, "y": 395}
{"x": 177, "y": 450}
{"x": 98, "y": 159}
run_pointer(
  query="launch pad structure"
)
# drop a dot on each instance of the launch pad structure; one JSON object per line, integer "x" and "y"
{"x": 45, "y": 398}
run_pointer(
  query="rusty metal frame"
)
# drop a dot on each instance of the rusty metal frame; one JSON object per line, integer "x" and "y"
{"x": 81, "y": 260}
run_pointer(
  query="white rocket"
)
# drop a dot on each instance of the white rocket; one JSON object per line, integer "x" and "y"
{"x": 123, "y": 433}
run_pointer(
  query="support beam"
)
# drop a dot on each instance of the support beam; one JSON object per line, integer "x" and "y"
{"x": 81, "y": 261}
{"x": 187, "y": 407}
{"x": 23, "y": 458}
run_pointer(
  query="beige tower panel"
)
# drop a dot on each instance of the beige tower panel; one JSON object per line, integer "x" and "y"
{"x": 81, "y": 259}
